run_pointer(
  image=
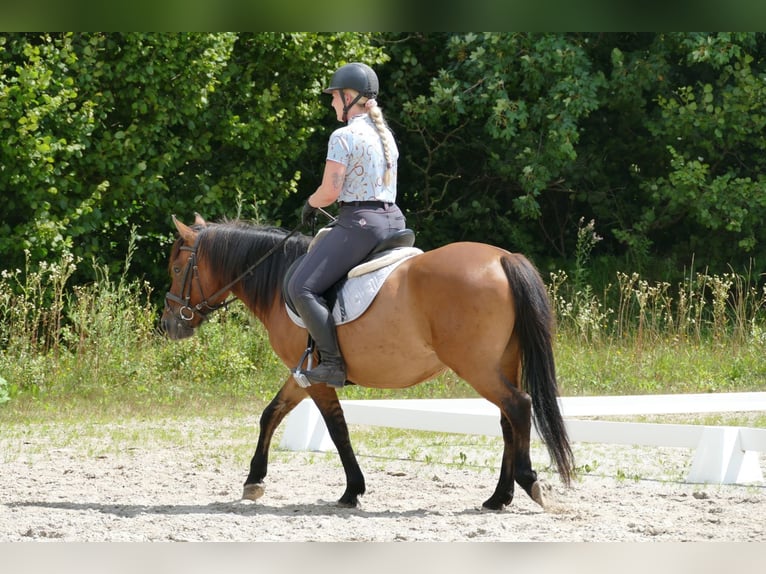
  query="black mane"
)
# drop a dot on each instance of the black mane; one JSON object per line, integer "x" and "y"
{"x": 233, "y": 246}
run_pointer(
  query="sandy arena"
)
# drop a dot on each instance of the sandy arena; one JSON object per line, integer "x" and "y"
{"x": 181, "y": 481}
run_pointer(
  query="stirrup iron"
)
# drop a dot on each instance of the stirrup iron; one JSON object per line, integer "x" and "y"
{"x": 298, "y": 373}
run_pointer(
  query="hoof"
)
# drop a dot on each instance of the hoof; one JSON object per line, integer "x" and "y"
{"x": 497, "y": 505}
{"x": 348, "y": 501}
{"x": 537, "y": 492}
{"x": 252, "y": 491}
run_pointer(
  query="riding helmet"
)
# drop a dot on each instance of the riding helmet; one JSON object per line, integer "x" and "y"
{"x": 355, "y": 76}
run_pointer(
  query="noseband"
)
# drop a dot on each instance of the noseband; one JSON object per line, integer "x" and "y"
{"x": 191, "y": 275}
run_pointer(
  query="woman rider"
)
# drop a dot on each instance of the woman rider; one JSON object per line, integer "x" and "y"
{"x": 360, "y": 174}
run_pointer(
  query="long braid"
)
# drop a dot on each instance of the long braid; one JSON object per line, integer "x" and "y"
{"x": 376, "y": 115}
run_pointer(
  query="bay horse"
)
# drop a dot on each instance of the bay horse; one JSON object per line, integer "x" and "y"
{"x": 474, "y": 308}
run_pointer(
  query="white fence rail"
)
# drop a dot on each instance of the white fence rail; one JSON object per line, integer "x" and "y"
{"x": 722, "y": 454}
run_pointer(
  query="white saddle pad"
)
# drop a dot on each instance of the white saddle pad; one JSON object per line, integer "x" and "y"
{"x": 360, "y": 290}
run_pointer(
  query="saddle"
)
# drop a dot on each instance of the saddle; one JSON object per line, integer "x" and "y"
{"x": 378, "y": 264}
{"x": 350, "y": 297}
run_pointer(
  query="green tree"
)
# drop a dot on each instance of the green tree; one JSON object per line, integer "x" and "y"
{"x": 45, "y": 129}
{"x": 711, "y": 201}
{"x": 105, "y": 133}
{"x": 514, "y": 138}
{"x": 495, "y": 132}
{"x": 507, "y": 138}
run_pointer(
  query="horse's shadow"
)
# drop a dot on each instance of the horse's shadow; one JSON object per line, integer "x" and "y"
{"x": 321, "y": 508}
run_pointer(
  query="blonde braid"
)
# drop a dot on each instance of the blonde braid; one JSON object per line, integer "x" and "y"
{"x": 376, "y": 115}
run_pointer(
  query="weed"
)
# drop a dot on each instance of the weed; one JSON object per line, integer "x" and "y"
{"x": 588, "y": 467}
{"x": 95, "y": 349}
{"x": 623, "y": 475}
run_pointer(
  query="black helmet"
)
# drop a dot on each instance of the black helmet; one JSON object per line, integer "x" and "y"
{"x": 355, "y": 76}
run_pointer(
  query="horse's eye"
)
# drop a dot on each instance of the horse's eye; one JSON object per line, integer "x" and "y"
{"x": 176, "y": 270}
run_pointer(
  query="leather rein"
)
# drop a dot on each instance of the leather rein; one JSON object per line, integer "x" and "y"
{"x": 191, "y": 275}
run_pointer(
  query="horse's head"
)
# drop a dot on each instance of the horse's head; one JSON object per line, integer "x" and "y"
{"x": 186, "y": 305}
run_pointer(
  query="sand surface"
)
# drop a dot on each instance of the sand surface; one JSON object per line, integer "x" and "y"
{"x": 181, "y": 481}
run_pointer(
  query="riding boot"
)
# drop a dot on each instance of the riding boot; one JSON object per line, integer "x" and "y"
{"x": 320, "y": 323}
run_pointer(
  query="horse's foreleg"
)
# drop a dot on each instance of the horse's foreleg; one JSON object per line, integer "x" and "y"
{"x": 327, "y": 402}
{"x": 286, "y": 400}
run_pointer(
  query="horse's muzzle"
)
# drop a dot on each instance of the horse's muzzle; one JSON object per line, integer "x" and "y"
{"x": 176, "y": 328}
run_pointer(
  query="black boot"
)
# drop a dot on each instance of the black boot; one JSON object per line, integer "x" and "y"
{"x": 320, "y": 323}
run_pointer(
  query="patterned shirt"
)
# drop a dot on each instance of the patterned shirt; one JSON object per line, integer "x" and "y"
{"x": 357, "y": 145}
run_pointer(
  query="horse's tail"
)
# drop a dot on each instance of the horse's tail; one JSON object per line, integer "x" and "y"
{"x": 534, "y": 325}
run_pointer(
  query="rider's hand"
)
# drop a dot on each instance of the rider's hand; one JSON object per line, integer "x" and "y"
{"x": 308, "y": 214}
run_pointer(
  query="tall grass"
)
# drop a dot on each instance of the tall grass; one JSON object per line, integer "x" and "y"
{"x": 96, "y": 349}
{"x": 705, "y": 334}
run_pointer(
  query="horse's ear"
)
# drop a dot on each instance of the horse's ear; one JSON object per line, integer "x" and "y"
{"x": 198, "y": 220}
{"x": 186, "y": 232}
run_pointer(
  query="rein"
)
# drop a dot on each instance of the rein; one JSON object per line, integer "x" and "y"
{"x": 191, "y": 273}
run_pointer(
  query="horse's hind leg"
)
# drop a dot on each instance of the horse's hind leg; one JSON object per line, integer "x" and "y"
{"x": 515, "y": 422}
{"x": 524, "y": 474}
{"x": 503, "y": 495}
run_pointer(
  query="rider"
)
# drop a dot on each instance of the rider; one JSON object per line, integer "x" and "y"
{"x": 359, "y": 173}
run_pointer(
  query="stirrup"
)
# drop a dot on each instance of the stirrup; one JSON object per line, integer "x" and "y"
{"x": 308, "y": 357}
{"x": 337, "y": 383}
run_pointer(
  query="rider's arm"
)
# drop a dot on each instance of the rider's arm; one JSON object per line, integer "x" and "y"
{"x": 332, "y": 184}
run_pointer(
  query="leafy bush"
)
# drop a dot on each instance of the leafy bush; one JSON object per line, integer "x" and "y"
{"x": 103, "y": 132}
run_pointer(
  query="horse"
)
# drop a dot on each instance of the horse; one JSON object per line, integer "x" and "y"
{"x": 474, "y": 308}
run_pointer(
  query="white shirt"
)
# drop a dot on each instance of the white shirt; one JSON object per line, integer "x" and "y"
{"x": 357, "y": 145}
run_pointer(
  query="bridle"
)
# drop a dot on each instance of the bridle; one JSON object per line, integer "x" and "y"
{"x": 191, "y": 276}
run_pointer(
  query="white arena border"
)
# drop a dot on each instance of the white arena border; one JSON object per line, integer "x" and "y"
{"x": 722, "y": 454}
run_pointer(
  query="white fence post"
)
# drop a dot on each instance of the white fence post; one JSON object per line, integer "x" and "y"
{"x": 305, "y": 429}
{"x": 720, "y": 459}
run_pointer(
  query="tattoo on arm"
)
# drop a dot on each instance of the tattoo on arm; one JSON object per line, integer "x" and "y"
{"x": 337, "y": 181}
